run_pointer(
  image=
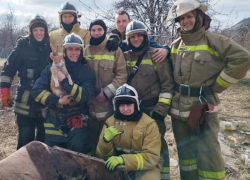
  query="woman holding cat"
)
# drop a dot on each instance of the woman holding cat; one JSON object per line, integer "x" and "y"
{"x": 65, "y": 125}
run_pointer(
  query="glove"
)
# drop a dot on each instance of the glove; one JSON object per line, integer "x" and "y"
{"x": 196, "y": 118}
{"x": 113, "y": 161}
{"x": 110, "y": 133}
{"x": 75, "y": 121}
{"x": 112, "y": 44}
{"x": 6, "y": 99}
{"x": 156, "y": 116}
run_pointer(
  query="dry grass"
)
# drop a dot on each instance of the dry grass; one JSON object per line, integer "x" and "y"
{"x": 235, "y": 104}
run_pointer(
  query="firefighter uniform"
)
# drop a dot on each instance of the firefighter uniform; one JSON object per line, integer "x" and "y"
{"x": 56, "y": 129}
{"x": 56, "y": 37}
{"x": 28, "y": 59}
{"x": 139, "y": 146}
{"x": 213, "y": 62}
{"x": 154, "y": 84}
{"x": 110, "y": 71}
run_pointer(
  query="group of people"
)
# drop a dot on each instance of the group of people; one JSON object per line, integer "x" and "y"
{"x": 123, "y": 87}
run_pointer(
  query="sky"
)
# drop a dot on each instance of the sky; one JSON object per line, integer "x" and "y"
{"x": 25, "y": 9}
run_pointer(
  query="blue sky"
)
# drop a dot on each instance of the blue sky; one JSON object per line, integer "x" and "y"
{"x": 24, "y": 9}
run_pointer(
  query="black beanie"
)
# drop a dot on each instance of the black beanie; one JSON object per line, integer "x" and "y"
{"x": 98, "y": 22}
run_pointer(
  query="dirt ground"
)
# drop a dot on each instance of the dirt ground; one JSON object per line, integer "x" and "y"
{"x": 235, "y": 106}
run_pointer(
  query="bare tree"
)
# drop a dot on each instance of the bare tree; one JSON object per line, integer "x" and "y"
{"x": 10, "y": 29}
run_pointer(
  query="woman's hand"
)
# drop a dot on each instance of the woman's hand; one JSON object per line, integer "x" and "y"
{"x": 64, "y": 100}
{"x": 60, "y": 76}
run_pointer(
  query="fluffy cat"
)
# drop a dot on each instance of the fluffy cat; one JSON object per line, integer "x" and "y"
{"x": 58, "y": 65}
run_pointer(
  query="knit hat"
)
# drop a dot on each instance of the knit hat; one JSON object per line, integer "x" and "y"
{"x": 98, "y": 22}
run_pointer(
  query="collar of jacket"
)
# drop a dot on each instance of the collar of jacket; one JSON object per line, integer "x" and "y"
{"x": 74, "y": 29}
{"x": 100, "y": 47}
{"x": 137, "y": 54}
{"x": 186, "y": 38}
{"x": 115, "y": 31}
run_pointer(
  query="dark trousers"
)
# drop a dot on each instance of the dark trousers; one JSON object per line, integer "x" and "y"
{"x": 29, "y": 129}
{"x": 76, "y": 141}
{"x": 95, "y": 128}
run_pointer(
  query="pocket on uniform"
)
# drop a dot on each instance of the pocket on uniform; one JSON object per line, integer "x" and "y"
{"x": 106, "y": 71}
{"x": 202, "y": 58}
{"x": 137, "y": 139}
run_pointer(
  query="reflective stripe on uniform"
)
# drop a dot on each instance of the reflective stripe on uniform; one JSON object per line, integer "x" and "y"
{"x": 6, "y": 79}
{"x": 25, "y": 96}
{"x": 79, "y": 96}
{"x": 21, "y": 111}
{"x": 111, "y": 88}
{"x": 73, "y": 91}
{"x": 202, "y": 47}
{"x": 49, "y": 125}
{"x": 45, "y": 97}
{"x": 144, "y": 61}
{"x": 188, "y": 164}
{"x": 22, "y": 105}
{"x": 165, "y": 176}
{"x": 99, "y": 115}
{"x": 30, "y": 73}
{"x": 100, "y": 57}
{"x": 53, "y": 132}
{"x": 229, "y": 79}
{"x": 165, "y": 170}
{"x": 103, "y": 155}
{"x": 166, "y": 95}
{"x": 165, "y": 101}
{"x": 128, "y": 151}
{"x": 222, "y": 82}
{"x": 205, "y": 175}
{"x": 178, "y": 113}
{"x": 139, "y": 161}
{"x": 42, "y": 96}
{"x": 185, "y": 114}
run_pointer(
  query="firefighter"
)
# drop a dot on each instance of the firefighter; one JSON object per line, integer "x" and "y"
{"x": 68, "y": 18}
{"x": 29, "y": 58}
{"x": 130, "y": 137}
{"x": 65, "y": 125}
{"x": 110, "y": 71}
{"x": 122, "y": 19}
{"x": 153, "y": 81}
{"x": 204, "y": 64}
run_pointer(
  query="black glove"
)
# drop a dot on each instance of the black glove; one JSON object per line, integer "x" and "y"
{"x": 156, "y": 116}
{"x": 112, "y": 44}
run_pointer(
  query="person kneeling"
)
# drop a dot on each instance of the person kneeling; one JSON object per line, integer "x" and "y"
{"x": 130, "y": 137}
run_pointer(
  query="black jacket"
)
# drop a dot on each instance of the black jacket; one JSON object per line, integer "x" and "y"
{"x": 28, "y": 58}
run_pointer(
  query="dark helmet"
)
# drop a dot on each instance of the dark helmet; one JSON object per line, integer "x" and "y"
{"x": 126, "y": 92}
{"x": 67, "y": 8}
{"x": 38, "y": 19}
{"x": 72, "y": 40}
{"x": 136, "y": 27}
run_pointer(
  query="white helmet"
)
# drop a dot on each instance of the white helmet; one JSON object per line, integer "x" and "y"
{"x": 126, "y": 92}
{"x": 181, "y": 7}
{"x": 72, "y": 40}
